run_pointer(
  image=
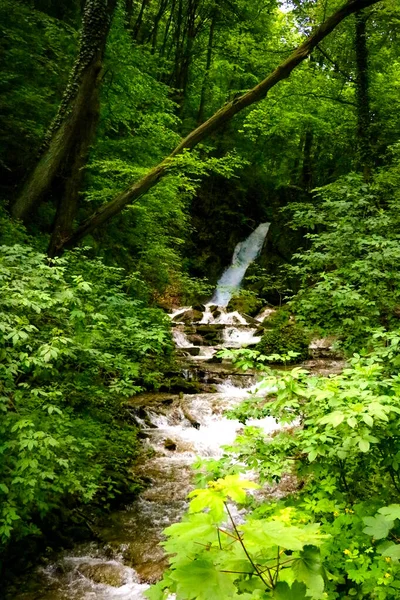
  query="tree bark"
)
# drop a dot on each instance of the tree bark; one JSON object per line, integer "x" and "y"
{"x": 362, "y": 96}
{"x": 224, "y": 114}
{"x": 66, "y": 131}
{"x": 203, "y": 93}
{"x": 74, "y": 173}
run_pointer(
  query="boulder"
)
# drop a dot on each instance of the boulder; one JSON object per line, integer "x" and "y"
{"x": 105, "y": 573}
{"x": 199, "y": 307}
{"x": 169, "y": 444}
{"x": 189, "y": 316}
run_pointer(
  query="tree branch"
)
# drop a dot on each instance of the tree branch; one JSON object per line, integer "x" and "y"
{"x": 131, "y": 194}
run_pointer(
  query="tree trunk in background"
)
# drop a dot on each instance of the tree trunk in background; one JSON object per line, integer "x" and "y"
{"x": 362, "y": 96}
{"x": 306, "y": 171}
{"x": 203, "y": 93}
{"x": 138, "y": 24}
{"x": 69, "y": 130}
{"x": 224, "y": 114}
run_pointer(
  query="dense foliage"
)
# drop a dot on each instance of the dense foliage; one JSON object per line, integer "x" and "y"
{"x": 350, "y": 278}
{"x": 336, "y": 535}
{"x": 94, "y": 94}
{"x": 74, "y": 344}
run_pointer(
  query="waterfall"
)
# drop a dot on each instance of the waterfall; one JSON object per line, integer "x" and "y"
{"x": 245, "y": 253}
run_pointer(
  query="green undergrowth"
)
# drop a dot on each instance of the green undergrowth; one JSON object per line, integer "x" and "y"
{"x": 74, "y": 344}
{"x": 333, "y": 532}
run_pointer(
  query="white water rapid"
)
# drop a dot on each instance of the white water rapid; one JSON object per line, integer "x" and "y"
{"x": 245, "y": 253}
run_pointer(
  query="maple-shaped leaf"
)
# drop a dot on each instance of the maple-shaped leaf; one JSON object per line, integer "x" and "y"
{"x": 210, "y": 499}
{"x": 157, "y": 592}
{"x": 234, "y": 487}
{"x": 187, "y": 535}
{"x": 393, "y": 552}
{"x": 283, "y": 591}
{"x": 200, "y": 580}
{"x": 308, "y": 569}
{"x": 262, "y": 534}
{"x": 390, "y": 512}
{"x": 378, "y": 526}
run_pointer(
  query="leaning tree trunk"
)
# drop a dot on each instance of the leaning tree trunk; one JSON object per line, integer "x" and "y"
{"x": 68, "y": 132}
{"x": 364, "y": 157}
{"x": 108, "y": 210}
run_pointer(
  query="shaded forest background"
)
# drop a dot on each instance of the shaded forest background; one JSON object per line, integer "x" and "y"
{"x": 83, "y": 325}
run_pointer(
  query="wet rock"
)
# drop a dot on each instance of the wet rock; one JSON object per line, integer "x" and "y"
{"x": 106, "y": 573}
{"x": 265, "y": 314}
{"x": 190, "y": 418}
{"x": 189, "y": 316}
{"x": 199, "y": 307}
{"x": 210, "y": 328}
{"x": 181, "y": 385}
{"x": 323, "y": 348}
{"x": 151, "y": 572}
{"x": 169, "y": 444}
{"x": 196, "y": 339}
{"x": 216, "y": 314}
{"x": 250, "y": 320}
{"x": 215, "y": 359}
{"x": 193, "y": 350}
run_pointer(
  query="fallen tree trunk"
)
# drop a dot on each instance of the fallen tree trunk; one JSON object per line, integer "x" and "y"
{"x": 224, "y": 114}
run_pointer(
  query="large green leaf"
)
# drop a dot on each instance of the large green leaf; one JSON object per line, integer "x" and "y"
{"x": 185, "y": 536}
{"x": 378, "y": 527}
{"x": 261, "y": 534}
{"x": 393, "y": 552}
{"x": 283, "y": 591}
{"x": 390, "y": 512}
{"x": 309, "y": 570}
{"x": 201, "y": 580}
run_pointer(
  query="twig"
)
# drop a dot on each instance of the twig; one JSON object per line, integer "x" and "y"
{"x": 256, "y": 569}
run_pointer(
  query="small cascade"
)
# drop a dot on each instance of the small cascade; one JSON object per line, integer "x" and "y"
{"x": 245, "y": 253}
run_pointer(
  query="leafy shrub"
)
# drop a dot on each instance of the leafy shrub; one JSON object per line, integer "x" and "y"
{"x": 282, "y": 340}
{"x": 245, "y": 301}
{"x": 349, "y": 275}
{"x": 73, "y": 346}
{"x": 337, "y": 535}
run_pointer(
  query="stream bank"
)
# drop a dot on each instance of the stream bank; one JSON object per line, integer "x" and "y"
{"x": 176, "y": 428}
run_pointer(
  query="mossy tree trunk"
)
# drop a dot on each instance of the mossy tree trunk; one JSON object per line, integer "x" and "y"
{"x": 66, "y": 145}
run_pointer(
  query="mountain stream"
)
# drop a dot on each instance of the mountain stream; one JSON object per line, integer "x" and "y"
{"x": 177, "y": 428}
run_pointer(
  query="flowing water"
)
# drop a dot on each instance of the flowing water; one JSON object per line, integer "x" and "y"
{"x": 127, "y": 557}
{"x": 245, "y": 253}
{"x": 177, "y": 429}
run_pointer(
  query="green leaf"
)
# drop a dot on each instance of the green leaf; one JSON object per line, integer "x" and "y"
{"x": 262, "y": 534}
{"x": 335, "y": 418}
{"x": 309, "y": 570}
{"x": 201, "y": 580}
{"x": 378, "y": 527}
{"x": 156, "y": 592}
{"x": 391, "y": 512}
{"x": 393, "y": 552}
{"x": 297, "y": 591}
{"x": 197, "y": 528}
{"x": 208, "y": 499}
{"x": 364, "y": 445}
{"x": 368, "y": 420}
